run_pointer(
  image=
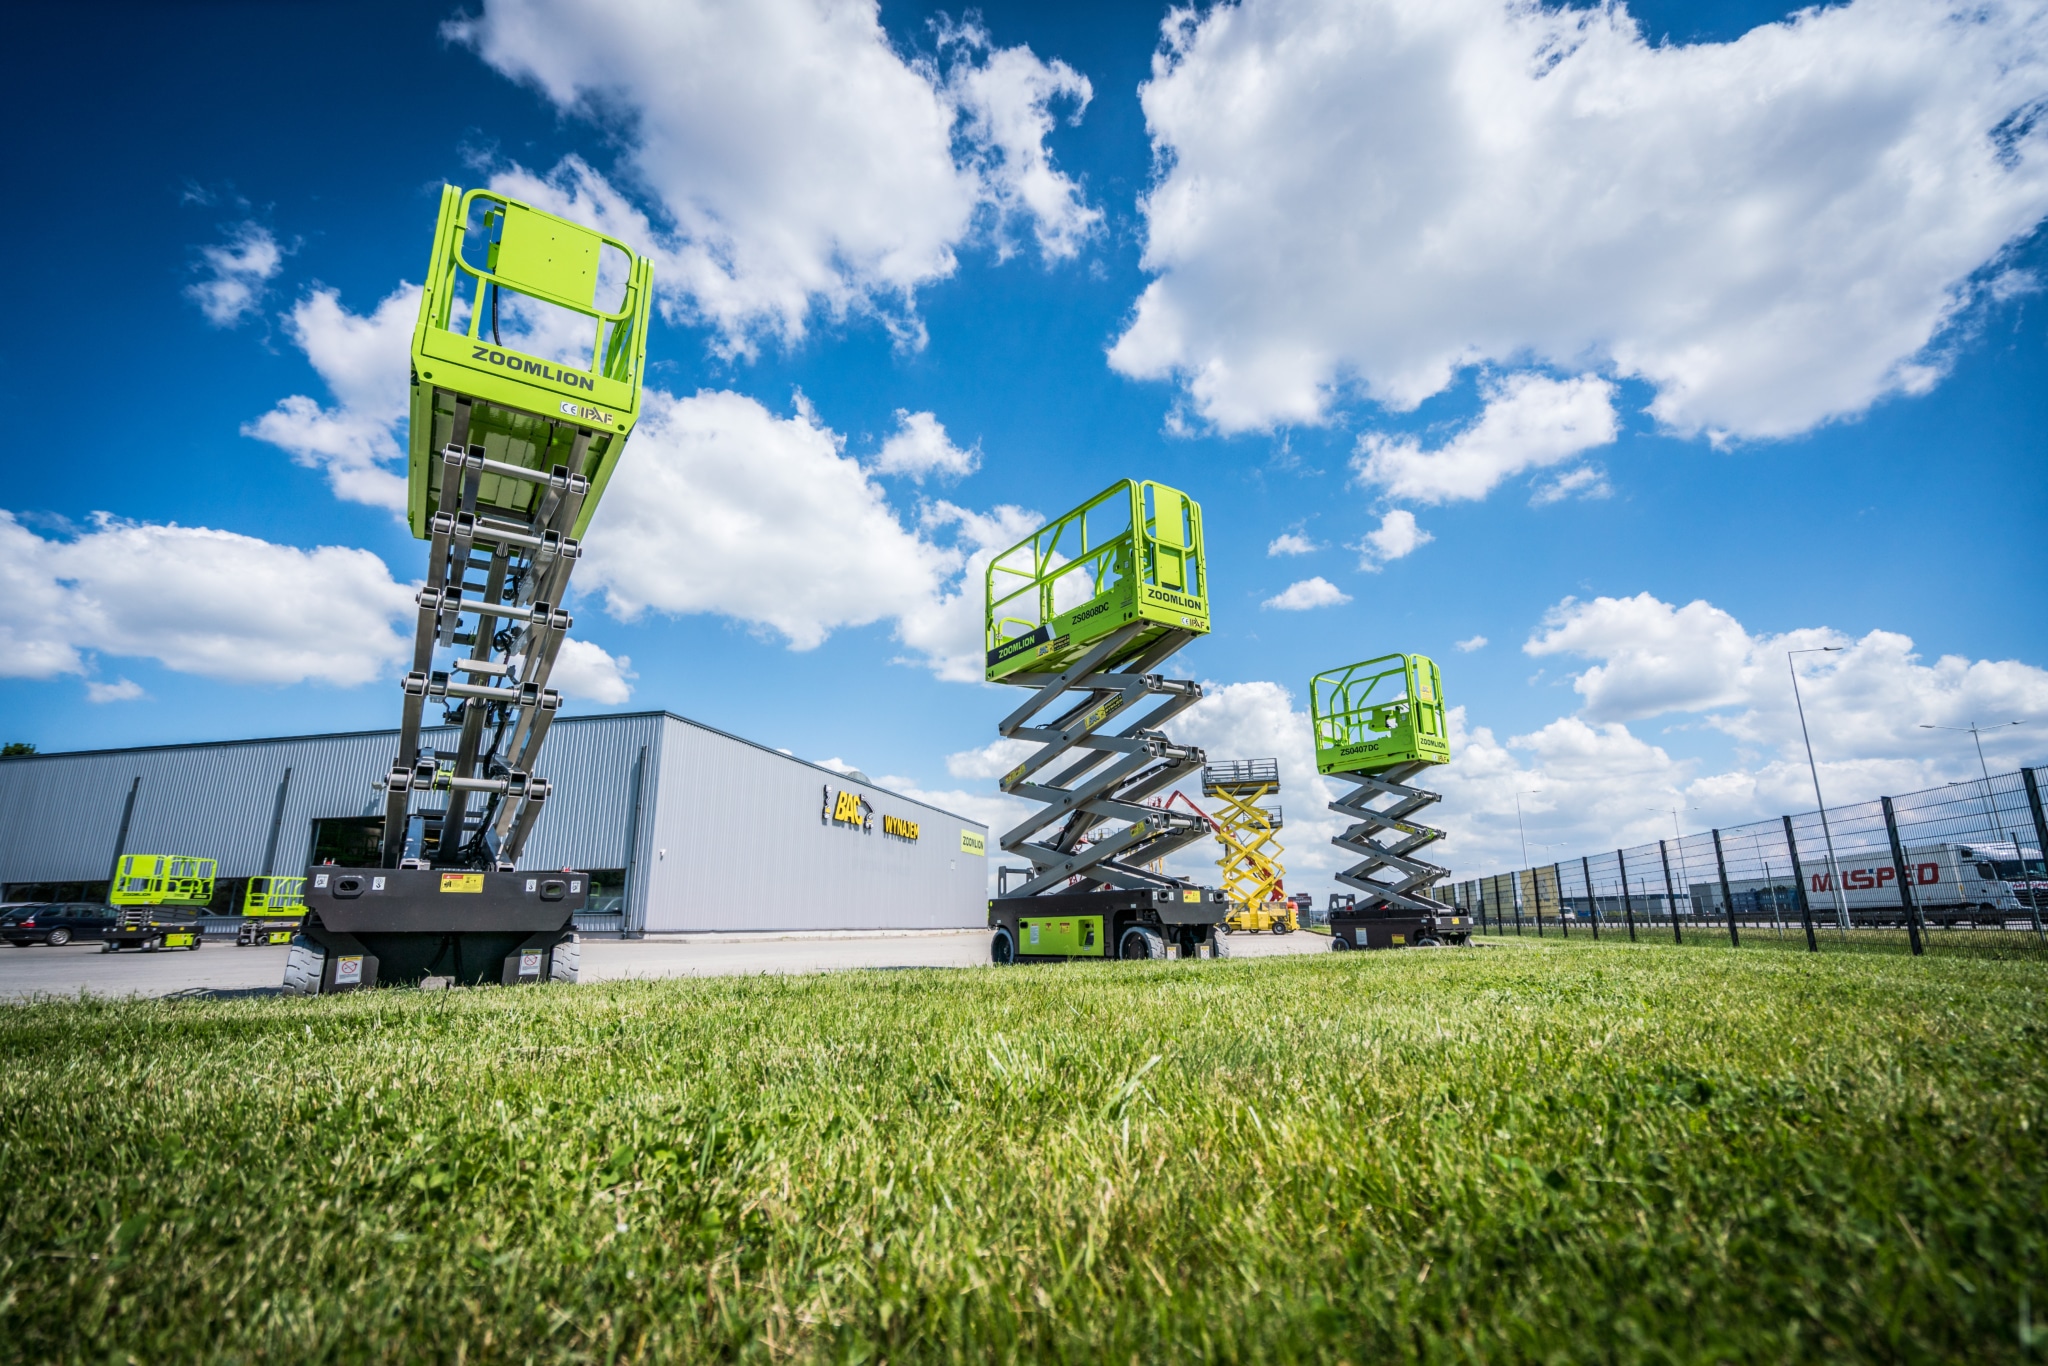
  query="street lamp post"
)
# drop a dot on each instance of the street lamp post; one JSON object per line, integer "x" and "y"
{"x": 1828, "y": 835}
{"x": 1975, "y": 732}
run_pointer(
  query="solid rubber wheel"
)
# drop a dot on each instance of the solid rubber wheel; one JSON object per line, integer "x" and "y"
{"x": 1002, "y": 949}
{"x": 1338, "y": 944}
{"x": 303, "y": 966}
{"x": 58, "y": 938}
{"x": 566, "y": 960}
{"x": 1140, "y": 942}
{"x": 1217, "y": 948}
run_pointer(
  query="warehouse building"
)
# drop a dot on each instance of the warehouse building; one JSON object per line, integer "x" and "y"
{"x": 681, "y": 827}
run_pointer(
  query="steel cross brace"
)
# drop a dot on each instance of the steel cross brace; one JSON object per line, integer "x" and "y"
{"x": 1110, "y": 775}
{"x": 1378, "y": 803}
{"x": 525, "y": 563}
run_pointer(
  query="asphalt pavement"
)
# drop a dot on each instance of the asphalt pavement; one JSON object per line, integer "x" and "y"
{"x": 224, "y": 969}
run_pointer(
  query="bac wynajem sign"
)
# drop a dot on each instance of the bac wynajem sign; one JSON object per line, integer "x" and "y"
{"x": 857, "y": 812}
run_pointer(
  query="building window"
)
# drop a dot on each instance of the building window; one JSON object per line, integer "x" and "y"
{"x": 607, "y": 892}
{"x": 351, "y": 841}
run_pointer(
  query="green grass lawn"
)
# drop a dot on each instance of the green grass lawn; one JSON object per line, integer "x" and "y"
{"x": 1562, "y": 1152}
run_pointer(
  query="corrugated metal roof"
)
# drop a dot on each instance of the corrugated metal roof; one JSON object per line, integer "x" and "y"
{"x": 547, "y": 751}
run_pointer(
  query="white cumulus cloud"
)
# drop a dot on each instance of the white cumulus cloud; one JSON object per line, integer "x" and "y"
{"x": 1590, "y": 783}
{"x": 358, "y": 442}
{"x": 121, "y": 690}
{"x": 1770, "y": 232}
{"x": 1473, "y": 643}
{"x": 198, "y": 601}
{"x": 1309, "y": 593}
{"x": 1396, "y": 535}
{"x": 721, "y": 506}
{"x": 1529, "y": 421}
{"x": 919, "y": 446}
{"x": 798, "y": 161}
{"x": 1291, "y": 543}
{"x": 586, "y": 672}
{"x": 235, "y": 274}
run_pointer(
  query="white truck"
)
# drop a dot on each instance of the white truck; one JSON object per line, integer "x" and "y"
{"x": 1979, "y": 883}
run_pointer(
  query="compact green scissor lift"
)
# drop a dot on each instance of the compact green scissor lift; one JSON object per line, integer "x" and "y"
{"x": 510, "y": 450}
{"x": 1081, "y": 612}
{"x": 1379, "y": 723}
{"x": 157, "y": 901}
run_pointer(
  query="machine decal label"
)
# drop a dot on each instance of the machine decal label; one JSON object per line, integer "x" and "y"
{"x": 589, "y": 414}
{"x": 348, "y": 972}
{"x": 971, "y": 843}
{"x": 539, "y": 369}
{"x": 1017, "y": 645}
{"x": 1173, "y": 599}
{"x": 1190, "y": 896}
{"x": 1102, "y": 713}
{"x": 462, "y": 882}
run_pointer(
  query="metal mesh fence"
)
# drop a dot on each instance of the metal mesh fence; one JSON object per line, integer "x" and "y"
{"x": 1965, "y": 857}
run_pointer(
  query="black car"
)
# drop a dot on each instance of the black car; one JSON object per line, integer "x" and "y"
{"x": 53, "y": 922}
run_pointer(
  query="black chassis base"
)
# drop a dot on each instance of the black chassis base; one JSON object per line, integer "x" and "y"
{"x": 408, "y": 924}
{"x": 150, "y": 935}
{"x": 1399, "y": 929}
{"x": 1185, "y": 924}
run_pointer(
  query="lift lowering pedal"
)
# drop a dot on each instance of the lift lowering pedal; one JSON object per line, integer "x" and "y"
{"x": 1082, "y": 613}
{"x": 512, "y": 444}
{"x": 1379, "y": 723}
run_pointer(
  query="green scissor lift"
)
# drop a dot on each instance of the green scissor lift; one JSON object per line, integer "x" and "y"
{"x": 1379, "y": 723}
{"x": 1082, "y": 612}
{"x": 527, "y": 362}
{"x": 157, "y": 900}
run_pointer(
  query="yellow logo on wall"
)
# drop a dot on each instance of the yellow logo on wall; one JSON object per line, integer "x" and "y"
{"x": 900, "y": 828}
{"x": 971, "y": 843}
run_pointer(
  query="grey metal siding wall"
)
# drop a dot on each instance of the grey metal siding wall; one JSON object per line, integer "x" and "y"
{"x": 740, "y": 843}
{"x": 59, "y": 813}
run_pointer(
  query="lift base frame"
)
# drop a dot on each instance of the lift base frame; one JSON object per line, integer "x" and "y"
{"x": 403, "y": 925}
{"x": 1187, "y": 920}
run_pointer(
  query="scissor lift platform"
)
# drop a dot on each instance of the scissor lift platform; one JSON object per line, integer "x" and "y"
{"x": 1083, "y": 612}
{"x": 527, "y": 362}
{"x": 1379, "y": 723}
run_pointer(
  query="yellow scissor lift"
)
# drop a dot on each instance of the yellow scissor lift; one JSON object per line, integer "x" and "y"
{"x": 1253, "y": 876}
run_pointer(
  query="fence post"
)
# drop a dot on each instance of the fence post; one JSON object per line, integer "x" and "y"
{"x": 1536, "y": 896}
{"x": 1799, "y": 886}
{"x": 1905, "y": 877}
{"x": 2034, "y": 889}
{"x": 1564, "y": 922}
{"x": 1727, "y": 898}
{"x": 1482, "y": 905}
{"x": 1592, "y": 900}
{"x": 1515, "y": 895}
{"x": 1670, "y": 897}
{"x": 1628, "y": 905}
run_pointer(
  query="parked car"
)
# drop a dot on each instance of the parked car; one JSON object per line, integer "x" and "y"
{"x": 53, "y": 922}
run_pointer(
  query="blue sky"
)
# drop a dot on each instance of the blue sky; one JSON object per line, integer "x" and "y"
{"x": 1665, "y": 391}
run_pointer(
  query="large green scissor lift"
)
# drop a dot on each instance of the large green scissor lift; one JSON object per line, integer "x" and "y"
{"x": 1082, "y": 612}
{"x": 1379, "y": 723}
{"x": 527, "y": 362}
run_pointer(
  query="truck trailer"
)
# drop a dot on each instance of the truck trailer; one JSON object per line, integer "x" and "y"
{"x": 1951, "y": 883}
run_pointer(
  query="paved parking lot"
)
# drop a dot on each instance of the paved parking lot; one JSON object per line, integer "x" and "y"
{"x": 227, "y": 970}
